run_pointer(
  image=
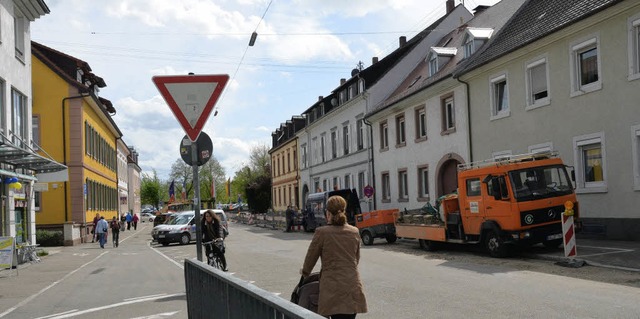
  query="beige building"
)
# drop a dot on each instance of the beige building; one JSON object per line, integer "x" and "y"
{"x": 285, "y": 173}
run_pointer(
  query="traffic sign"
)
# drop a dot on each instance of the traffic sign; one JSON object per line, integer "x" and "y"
{"x": 204, "y": 149}
{"x": 191, "y": 98}
{"x": 368, "y": 191}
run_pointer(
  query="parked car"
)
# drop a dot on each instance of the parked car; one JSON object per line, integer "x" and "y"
{"x": 163, "y": 218}
{"x": 181, "y": 229}
{"x": 144, "y": 217}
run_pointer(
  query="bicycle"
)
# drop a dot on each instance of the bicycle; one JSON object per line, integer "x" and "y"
{"x": 214, "y": 259}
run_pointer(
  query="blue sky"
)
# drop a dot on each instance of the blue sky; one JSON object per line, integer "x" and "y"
{"x": 303, "y": 49}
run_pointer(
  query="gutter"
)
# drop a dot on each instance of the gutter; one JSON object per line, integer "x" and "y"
{"x": 466, "y": 85}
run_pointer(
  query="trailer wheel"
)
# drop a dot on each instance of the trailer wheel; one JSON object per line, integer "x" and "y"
{"x": 427, "y": 244}
{"x": 495, "y": 245}
{"x": 391, "y": 239}
{"x": 367, "y": 239}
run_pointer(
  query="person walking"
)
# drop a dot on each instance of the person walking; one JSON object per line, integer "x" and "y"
{"x": 123, "y": 221}
{"x": 289, "y": 216}
{"x": 95, "y": 225}
{"x": 129, "y": 220}
{"x": 338, "y": 247}
{"x": 212, "y": 230}
{"x": 102, "y": 228}
{"x": 115, "y": 231}
{"x": 134, "y": 220}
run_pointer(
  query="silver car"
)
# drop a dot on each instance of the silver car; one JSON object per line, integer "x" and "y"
{"x": 181, "y": 229}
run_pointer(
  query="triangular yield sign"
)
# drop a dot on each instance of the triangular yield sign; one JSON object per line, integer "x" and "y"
{"x": 191, "y": 98}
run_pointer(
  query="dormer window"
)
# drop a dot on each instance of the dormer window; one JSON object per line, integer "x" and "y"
{"x": 439, "y": 57}
{"x": 474, "y": 39}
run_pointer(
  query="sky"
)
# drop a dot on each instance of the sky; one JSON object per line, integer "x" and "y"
{"x": 303, "y": 49}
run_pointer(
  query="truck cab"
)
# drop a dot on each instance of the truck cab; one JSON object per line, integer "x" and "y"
{"x": 315, "y": 206}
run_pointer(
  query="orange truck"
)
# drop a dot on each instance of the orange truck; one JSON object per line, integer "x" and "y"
{"x": 511, "y": 200}
{"x": 377, "y": 224}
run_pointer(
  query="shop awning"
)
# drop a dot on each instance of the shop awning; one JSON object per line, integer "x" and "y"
{"x": 26, "y": 159}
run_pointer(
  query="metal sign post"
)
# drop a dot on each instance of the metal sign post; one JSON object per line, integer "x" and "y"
{"x": 196, "y": 199}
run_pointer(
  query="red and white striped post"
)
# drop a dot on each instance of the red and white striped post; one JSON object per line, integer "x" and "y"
{"x": 568, "y": 233}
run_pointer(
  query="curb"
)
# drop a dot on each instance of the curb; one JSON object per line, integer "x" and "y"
{"x": 567, "y": 260}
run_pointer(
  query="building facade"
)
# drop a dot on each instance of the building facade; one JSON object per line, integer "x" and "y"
{"x": 285, "y": 173}
{"x": 123, "y": 177}
{"x": 76, "y": 124}
{"x": 134, "y": 182}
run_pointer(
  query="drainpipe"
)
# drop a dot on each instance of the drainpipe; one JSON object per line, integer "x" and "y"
{"x": 371, "y": 160}
{"x": 64, "y": 149}
{"x": 466, "y": 85}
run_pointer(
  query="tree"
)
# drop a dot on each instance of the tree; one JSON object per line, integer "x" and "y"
{"x": 150, "y": 189}
{"x": 208, "y": 173}
{"x": 181, "y": 173}
{"x": 255, "y": 179}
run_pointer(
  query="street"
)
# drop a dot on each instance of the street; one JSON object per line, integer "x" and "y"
{"x": 139, "y": 280}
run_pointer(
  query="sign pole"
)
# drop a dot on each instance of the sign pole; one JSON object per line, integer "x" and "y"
{"x": 196, "y": 199}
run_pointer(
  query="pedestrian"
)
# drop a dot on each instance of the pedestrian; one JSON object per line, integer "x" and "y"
{"x": 289, "y": 217}
{"x": 129, "y": 220}
{"x": 123, "y": 220}
{"x": 134, "y": 220}
{"x": 338, "y": 247}
{"x": 102, "y": 227}
{"x": 95, "y": 224}
{"x": 115, "y": 231}
{"x": 212, "y": 230}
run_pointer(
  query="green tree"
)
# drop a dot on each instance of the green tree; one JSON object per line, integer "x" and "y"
{"x": 254, "y": 179}
{"x": 151, "y": 189}
{"x": 181, "y": 172}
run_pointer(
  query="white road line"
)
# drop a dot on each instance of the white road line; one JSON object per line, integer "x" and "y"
{"x": 58, "y": 314}
{"x": 77, "y": 313}
{"x": 143, "y": 297}
{"x": 169, "y": 259}
{"x": 22, "y": 303}
{"x": 616, "y": 251}
{"x": 158, "y": 315}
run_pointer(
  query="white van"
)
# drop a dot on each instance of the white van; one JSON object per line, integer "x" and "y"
{"x": 182, "y": 228}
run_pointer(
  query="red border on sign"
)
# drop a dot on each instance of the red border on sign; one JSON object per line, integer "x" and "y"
{"x": 161, "y": 83}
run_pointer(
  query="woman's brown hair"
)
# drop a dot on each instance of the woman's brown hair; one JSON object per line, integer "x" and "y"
{"x": 336, "y": 206}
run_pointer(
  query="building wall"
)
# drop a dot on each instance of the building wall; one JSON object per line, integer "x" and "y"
{"x": 285, "y": 178}
{"x": 123, "y": 178}
{"x": 134, "y": 188}
{"x": 610, "y": 113}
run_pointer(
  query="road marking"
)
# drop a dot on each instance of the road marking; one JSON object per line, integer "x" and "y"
{"x": 160, "y": 315}
{"x": 80, "y": 254}
{"x": 58, "y": 314}
{"x": 616, "y": 251}
{"x": 168, "y": 258}
{"x": 143, "y": 297}
{"x": 69, "y": 315}
{"x": 24, "y": 302}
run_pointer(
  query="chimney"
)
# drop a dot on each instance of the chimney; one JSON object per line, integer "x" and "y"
{"x": 343, "y": 81}
{"x": 403, "y": 41}
{"x": 374, "y": 60}
{"x": 320, "y": 98}
{"x": 450, "y": 6}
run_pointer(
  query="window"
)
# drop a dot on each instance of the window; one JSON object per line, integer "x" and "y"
{"x": 590, "y": 159}
{"x": 448, "y": 115}
{"x": 635, "y": 148}
{"x": 324, "y": 185}
{"x": 499, "y": 97}
{"x": 2, "y": 106}
{"x": 403, "y": 192}
{"x": 316, "y": 184}
{"x": 347, "y": 181}
{"x": 334, "y": 143}
{"x": 473, "y": 187}
{"x": 19, "y": 30}
{"x": 468, "y": 47}
{"x": 386, "y": 188}
{"x": 336, "y": 183}
{"x": 35, "y": 132}
{"x": 360, "y": 134}
{"x": 421, "y": 123}
{"x": 288, "y": 162}
{"x": 361, "y": 183}
{"x": 401, "y": 139}
{"x": 634, "y": 47}
{"x": 37, "y": 201}
{"x": 345, "y": 139}
{"x": 314, "y": 142}
{"x": 19, "y": 118}
{"x": 322, "y": 148}
{"x": 433, "y": 64}
{"x": 384, "y": 136}
{"x": 585, "y": 67}
{"x": 295, "y": 160}
{"x": 537, "y": 83}
{"x": 423, "y": 182}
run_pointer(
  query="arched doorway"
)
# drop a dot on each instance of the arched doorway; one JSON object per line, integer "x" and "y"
{"x": 305, "y": 191}
{"x": 447, "y": 181}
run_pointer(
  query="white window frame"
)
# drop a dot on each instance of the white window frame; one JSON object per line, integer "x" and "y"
{"x": 449, "y": 116}
{"x": 362, "y": 182}
{"x": 360, "y": 134}
{"x": 433, "y": 64}
{"x": 423, "y": 182}
{"x": 575, "y": 50}
{"x": 303, "y": 158}
{"x": 384, "y": 135}
{"x": 580, "y": 143}
{"x": 19, "y": 34}
{"x": 347, "y": 181}
{"x": 633, "y": 24}
{"x": 346, "y": 147}
{"x": 314, "y": 142}
{"x": 531, "y": 102}
{"x": 334, "y": 142}
{"x": 403, "y": 185}
{"x": 401, "y": 127}
{"x": 322, "y": 148}
{"x": 635, "y": 147}
{"x": 469, "y": 46}
{"x": 494, "y": 82}
{"x": 385, "y": 181}
{"x": 421, "y": 123}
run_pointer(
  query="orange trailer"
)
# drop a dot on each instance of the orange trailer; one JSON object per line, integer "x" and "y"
{"x": 377, "y": 224}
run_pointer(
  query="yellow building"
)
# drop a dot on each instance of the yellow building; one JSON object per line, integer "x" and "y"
{"x": 76, "y": 126}
{"x": 285, "y": 172}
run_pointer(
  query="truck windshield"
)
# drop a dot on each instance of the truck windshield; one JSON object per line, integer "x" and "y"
{"x": 540, "y": 182}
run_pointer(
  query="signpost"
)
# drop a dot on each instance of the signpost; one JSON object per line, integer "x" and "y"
{"x": 191, "y": 98}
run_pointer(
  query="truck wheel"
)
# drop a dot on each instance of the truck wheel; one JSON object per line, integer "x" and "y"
{"x": 367, "y": 239}
{"x": 185, "y": 239}
{"x": 495, "y": 245}
{"x": 427, "y": 245}
{"x": 552, "y": 243}
{"x": 391, "y": 239}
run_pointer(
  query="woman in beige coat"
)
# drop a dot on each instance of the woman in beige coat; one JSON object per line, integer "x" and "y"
{"x": 338, "y": 246}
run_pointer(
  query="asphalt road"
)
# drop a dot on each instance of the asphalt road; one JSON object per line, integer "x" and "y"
{"x": 143, "y": 281}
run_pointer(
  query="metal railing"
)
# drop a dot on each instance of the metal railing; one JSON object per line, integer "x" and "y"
{"x": 212, "y": 293}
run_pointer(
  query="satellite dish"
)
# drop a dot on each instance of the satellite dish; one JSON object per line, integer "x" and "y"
{"x": 354, "y": 72}
{"x": 334, "y": 101}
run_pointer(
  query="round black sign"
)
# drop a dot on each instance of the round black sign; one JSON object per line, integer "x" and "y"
{"x": 204, "y": 149}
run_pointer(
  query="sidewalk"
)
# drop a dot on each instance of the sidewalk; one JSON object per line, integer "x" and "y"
{"x": 622, "y": 255}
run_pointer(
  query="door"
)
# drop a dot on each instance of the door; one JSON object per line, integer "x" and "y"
{"x": 448, "y": 178}
{"x": 473, "y": 206}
